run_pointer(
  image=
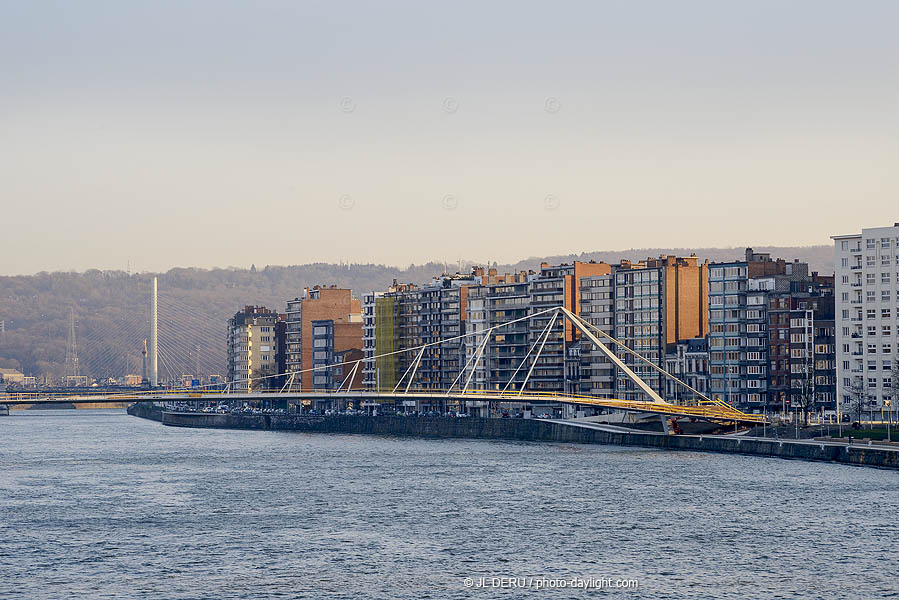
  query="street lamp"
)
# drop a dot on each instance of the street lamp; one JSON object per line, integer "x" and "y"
{"x": 888, "y": 403}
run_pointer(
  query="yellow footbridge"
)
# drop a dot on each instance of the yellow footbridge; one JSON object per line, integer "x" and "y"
{"x": 697, "y": 406}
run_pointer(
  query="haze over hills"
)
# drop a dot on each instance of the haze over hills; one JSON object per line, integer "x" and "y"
{"x": 111, "y": 309}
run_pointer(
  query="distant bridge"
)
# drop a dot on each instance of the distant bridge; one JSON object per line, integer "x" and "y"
{"x": 699, "y": 406}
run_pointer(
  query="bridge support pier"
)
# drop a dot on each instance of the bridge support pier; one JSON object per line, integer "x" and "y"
{"x": 665, "y": 427}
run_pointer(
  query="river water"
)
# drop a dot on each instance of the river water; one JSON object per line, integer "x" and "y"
{"x": 97, "y": 504}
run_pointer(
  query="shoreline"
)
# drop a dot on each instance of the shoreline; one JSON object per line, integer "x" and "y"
{"x": 534, "y": 430}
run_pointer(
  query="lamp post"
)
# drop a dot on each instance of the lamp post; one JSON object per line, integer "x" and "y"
{"x": 889, "y": 403}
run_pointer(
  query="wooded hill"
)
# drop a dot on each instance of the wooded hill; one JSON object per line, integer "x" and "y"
{"x": 112, "y": 308}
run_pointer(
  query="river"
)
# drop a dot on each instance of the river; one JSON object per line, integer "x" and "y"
{"x": 98, "y": 504}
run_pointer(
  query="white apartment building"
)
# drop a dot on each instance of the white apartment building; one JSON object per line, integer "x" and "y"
{"x": 867, "y": 315}
{"x": 369, "y": 368}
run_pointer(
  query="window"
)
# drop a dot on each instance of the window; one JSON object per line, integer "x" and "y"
{"x": 844, "y": 262}
{"x": 872, "y": 382}
{"x": 885, "y": 260}
{"x": 887, "y": 365}
{"x": 872, "y": 348}
{"x": 869, "y": 278}
{"x": 872, "y": 329}
{"x": 869, "y": 261}
{"x": 844, "y": 245}
{"x": 870, "y": 243}
{"x": 886, "y": 348}
{"x": 872, "y": 365}
{"x": 885, "y": 278}
{"x": 884, "y": 295}
{"x": 870, "y": 296}
{"x": 886, "y": 330}
{"x": 872, "y": 313}
{"x": 884, "y": 242}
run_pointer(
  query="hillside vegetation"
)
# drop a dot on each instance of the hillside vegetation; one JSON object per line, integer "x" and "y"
{"x": 112, "y": 308}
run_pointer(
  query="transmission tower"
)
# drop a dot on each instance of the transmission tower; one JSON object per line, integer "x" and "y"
{"x": 143, "y": 365}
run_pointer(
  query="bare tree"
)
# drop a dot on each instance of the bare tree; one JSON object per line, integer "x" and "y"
{"x": 263, "y": 380}
{"x": 895, "y": 382}
{"x": 858, "y": 397}
{"x": 804, "y": 392}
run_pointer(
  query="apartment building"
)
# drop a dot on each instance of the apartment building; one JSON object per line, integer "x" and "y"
{"x": 254, "y": 360}
{"x": 557, "y": 285}
{"x": 867, "y": 318}
{"x": 764, "y": 343}
{"x": 597, "y": 307}
{"x": 396, "y": 328}
{"x": 801, "y": 345}
{"x": 319, "y": 304}
{"x": 408, "y": 320}
{"x": 649, "y": 306}
{"x": 688, "y": 360}
{"x": 658, "y": 302}
{"x": 334, "y": 360}
{"x": 369, "y": 326}
{"x": 738, "y": 337}
{"x": 507, "y": 345}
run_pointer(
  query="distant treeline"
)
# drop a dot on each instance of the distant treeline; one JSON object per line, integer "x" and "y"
{"x": 112, "y": 308}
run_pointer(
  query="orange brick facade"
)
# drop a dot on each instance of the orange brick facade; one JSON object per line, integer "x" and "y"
{"x": 334, "y": 304}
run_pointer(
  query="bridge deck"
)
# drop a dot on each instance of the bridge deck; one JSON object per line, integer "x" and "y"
{"x": 710, "y": 410}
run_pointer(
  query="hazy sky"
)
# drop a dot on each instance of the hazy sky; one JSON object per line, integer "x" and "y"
{"x": 216, "y": 133}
